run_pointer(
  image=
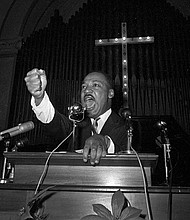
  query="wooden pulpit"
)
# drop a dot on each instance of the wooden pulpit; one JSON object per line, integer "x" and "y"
{"x": 78, "y": 185}
{"x": 69, "y": 169}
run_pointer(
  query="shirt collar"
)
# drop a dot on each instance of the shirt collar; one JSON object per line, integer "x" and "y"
{"x": 103, "y": 118}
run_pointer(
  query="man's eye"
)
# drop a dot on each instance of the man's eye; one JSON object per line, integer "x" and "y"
{"x": 83, "y": 86}
{"x": 96, "y": 85}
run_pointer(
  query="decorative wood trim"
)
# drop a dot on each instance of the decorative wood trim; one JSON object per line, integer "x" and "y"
{"x": 10, "y": 45}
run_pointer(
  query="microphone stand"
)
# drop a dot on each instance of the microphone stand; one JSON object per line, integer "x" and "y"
{"x": 126, "y": 114}
{"x": 3, "y": 175}
{"x": 7, "y": 174}
{"x": 130, "y": 137}
{"x": 74, "y": 136}
{"x": 167, "y": 158}
{"x": 167, "y": 164}
{"x": 76, "y": 115}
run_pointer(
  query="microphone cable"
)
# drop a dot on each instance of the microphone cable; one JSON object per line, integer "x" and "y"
{"x": 147, "y": 198}
{"x": 46, "y": 163}
{"x": 169, "y": 215}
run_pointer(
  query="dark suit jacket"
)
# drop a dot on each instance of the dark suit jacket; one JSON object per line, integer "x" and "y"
{"x": 61, "y": 126}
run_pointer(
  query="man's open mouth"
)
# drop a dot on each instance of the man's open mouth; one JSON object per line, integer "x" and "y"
{"x": 89, "y": 101}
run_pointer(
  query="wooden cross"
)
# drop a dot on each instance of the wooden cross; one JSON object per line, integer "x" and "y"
{"x": 124, "y": 41}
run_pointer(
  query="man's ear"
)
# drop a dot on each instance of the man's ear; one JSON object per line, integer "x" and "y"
{"x": 111, "y": 93}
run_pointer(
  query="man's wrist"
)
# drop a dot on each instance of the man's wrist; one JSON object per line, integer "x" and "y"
{"x": 38, "y": 100}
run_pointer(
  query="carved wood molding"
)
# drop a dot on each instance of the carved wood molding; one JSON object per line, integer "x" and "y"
{"x": 9, "y": 46}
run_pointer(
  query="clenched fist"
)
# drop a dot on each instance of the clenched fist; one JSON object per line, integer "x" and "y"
{"x": 36, "y": 82}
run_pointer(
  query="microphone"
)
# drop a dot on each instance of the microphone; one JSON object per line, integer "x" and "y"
{"x": 76, "y": 112}
{"x": 125, "y": 113}
{"x": 21, "y": 128}
{"x": 161, "y": 125}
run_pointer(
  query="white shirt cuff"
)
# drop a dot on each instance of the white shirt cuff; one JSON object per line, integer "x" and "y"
{"x": 45, "y": 110}
{"x": 111, "y": 148}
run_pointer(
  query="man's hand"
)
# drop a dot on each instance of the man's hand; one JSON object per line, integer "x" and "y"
{"x": 96, "y": 146}
{"x": 36, "y": 83}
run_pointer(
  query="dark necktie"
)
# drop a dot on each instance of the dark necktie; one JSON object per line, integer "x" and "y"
{"x": 95, "y": 125}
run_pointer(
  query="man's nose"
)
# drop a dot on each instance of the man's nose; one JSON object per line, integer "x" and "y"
{"x": 88, "y": 89}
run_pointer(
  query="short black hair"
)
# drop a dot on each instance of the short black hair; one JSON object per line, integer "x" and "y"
{"x": 107, "y": 77}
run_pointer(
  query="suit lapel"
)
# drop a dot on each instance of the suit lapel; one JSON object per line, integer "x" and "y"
{"x": 112, "y": 122}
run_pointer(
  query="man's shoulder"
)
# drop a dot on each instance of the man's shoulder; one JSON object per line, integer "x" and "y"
{"x": 116, "y": 118}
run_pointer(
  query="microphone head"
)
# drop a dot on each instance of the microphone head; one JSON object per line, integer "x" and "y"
{"x": 77, "y": 107}
{"x": 161, "y": 125}
{"x": 21, "y": 128}
{"x": 26, "y": 126}
{"x": 125, "y": 113}
{"x": 76, "y": 112}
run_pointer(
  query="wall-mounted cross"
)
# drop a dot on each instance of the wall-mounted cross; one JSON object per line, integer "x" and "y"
{"x": 124, "y": 41}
